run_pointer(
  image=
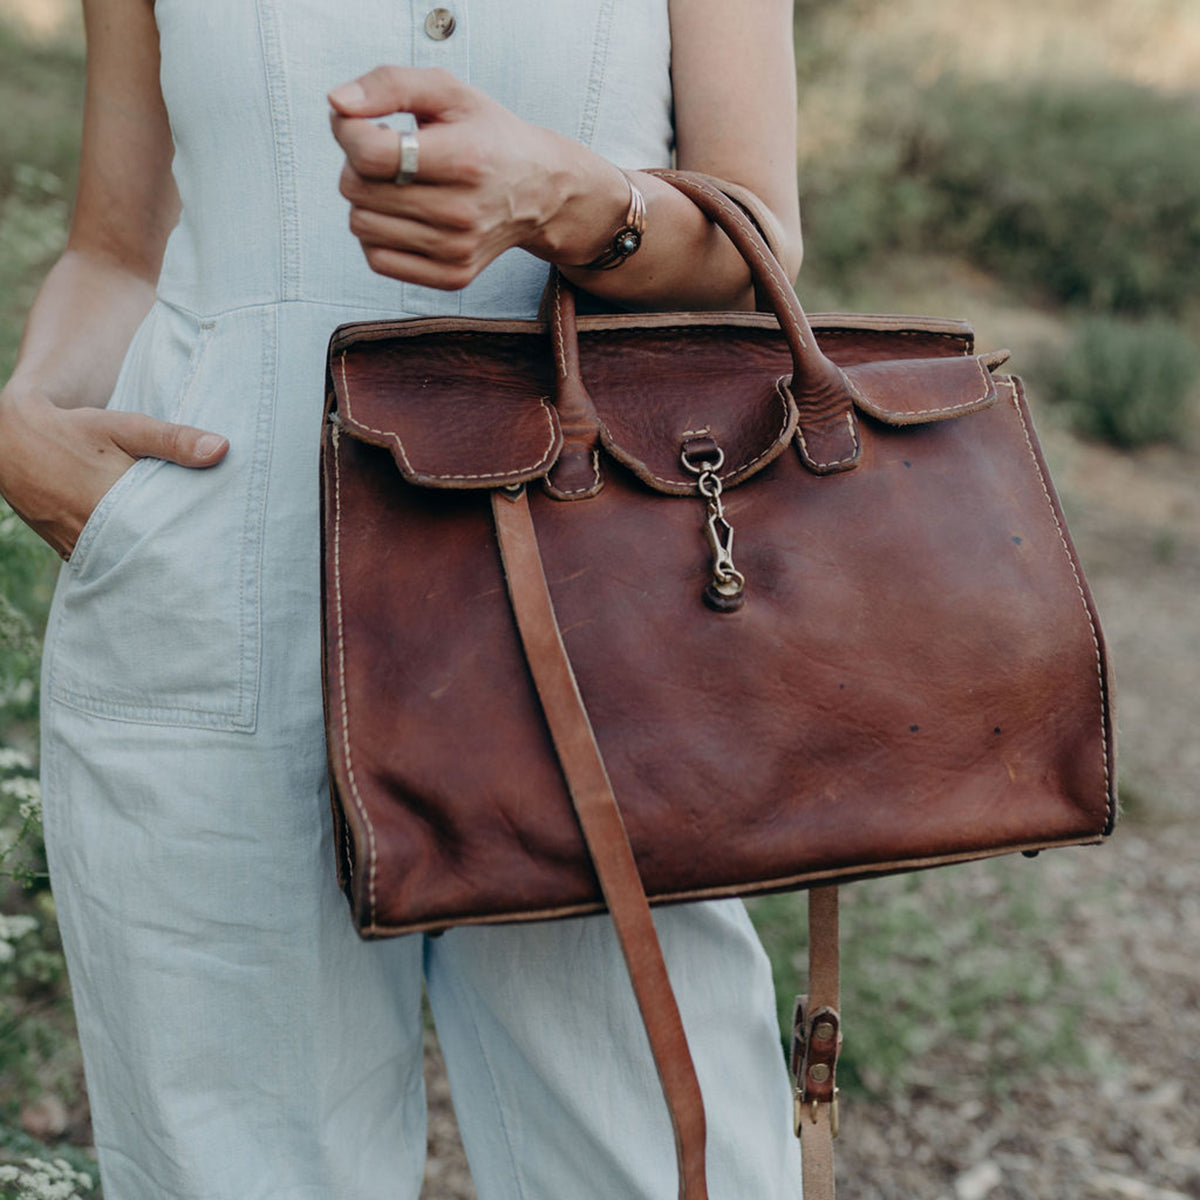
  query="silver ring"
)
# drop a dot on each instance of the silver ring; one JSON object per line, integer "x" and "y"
{"x": 408, "y": 157}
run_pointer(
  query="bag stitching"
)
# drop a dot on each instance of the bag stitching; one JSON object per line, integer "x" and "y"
{"x": 337, "y": 580}
{"x": 852, "y": 331}
{"x": 556, "y": 321}
{"x": 674, "y": 483}
{"x": 650, "y": 331}
{"x": 582, "y": 491}
{"x": 837, "y": 462}
{"x": 408, "y": 467}
{"x": 1108, "y": 801}
{"x": 919, "y": 412}
{"x": 726, "y": 205}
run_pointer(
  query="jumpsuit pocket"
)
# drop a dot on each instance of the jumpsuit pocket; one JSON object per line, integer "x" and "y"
{"x": 156, "y": 615}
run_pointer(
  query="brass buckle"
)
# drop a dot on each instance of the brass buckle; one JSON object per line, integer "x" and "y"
{"x": 798, "y": 1105}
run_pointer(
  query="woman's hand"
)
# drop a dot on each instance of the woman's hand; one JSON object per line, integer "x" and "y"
{"x": 58, "y": 463}
{"x": 486, "y": 181}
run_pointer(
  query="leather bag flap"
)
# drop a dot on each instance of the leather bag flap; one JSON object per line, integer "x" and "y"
{"x": 460, "y": 407}
{"x": 660, "y": 380}
{"x": 456, "y": 410}
{"x": 916, "y": 391}
{"x": 752, "y": 425}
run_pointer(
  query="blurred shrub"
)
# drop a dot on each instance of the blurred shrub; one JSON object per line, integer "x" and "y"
{"x": 41, "y": 94}
{"x": 33, "y": 218}
{"x": 34, "y": 1008}
{"x": 35, "y": 1024}
{"x": 1086, "y": 193}
{"x": 27, "y": 568}
{"x": 1125, "y": 382}
{"x": 41, "y": 91}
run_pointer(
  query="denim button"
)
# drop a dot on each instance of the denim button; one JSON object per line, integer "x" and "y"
{"x": 439, "y": 24}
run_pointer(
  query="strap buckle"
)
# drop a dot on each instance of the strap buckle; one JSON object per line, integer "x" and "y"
{"x": 816, "y": 1042}
{"x": 814, "y": 1106}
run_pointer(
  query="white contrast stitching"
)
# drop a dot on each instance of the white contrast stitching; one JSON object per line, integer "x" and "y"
{"x": 411, "y": 470}
{"x": 583, "y": 490}
{"x": 556, "y": 322}
{"x": 725, "y": 474}
{"x": 337, "y": 585}
{"x": 876, "y": 409}
{"x": 837, "y": 331}
{"x": 837, "y": 462}
{"x": 726, "y": 205}
{"x": 1108, "y": 806}
{"x": 856, "y": 331}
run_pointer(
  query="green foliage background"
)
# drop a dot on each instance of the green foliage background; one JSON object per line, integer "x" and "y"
{"x": 41, "y": 92}
{"x": 1077, "y": 193}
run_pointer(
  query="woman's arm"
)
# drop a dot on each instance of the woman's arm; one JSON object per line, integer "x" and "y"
{"x": 59, "y": 452}
{"x": 488, "y": 181}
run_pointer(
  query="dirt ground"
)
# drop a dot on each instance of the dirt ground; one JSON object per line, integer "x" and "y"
{"x": 1127, "y": 1128}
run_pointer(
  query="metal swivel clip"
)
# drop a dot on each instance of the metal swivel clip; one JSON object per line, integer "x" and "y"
{"x": 725, "y": 591}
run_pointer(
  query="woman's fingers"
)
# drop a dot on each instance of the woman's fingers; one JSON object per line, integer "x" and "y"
{"x": 64, "y": 460}
{"x": 141, "y": 436}
{"x": 452, "y": 207}
{"x": 418, "y": 269}
{"x": 373, "y": 151}
{"x": 429, "y": 92}
{"x": 412, "y": 236}
{"x": 484, "y": 180}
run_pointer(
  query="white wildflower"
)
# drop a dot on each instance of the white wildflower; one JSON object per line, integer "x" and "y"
{"x": 14, "y": 760}
{"x": 12, "y": 929}
{"x": 21, "y": 788}
{"x": 40, "y": 1180}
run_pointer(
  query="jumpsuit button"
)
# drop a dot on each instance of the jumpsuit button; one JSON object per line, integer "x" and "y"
{"x": 439, "y": 24}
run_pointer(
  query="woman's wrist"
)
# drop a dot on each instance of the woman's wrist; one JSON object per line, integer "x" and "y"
{"x": 627, "y": 239}
{"x": 589, "y": 200}
{"x": 18, "y": 415}
{"x": 685, "y": 261}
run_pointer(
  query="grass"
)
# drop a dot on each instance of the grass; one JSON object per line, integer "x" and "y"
{"x": 965, "y": 955}
{"x": 44, "y": 85}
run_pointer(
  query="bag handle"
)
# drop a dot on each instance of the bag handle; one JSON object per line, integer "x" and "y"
{"x": 827, "y": 431}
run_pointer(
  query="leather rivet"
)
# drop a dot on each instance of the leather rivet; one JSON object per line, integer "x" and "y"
{"x": 823, "y": 1032}
{"x": 819, "y": 1072}
{"x": 439, "y": 24}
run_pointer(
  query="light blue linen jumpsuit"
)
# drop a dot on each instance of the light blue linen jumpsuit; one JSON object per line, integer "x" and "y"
{"x": 240, "y": 1042}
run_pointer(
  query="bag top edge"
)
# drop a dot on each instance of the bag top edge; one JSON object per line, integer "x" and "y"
{"x": 354, "y": 332}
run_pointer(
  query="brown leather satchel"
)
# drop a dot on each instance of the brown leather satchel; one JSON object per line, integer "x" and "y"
{"x": 673, "y": 606}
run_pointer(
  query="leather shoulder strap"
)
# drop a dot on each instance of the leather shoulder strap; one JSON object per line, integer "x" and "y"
{"x": 817, "y": 1036}
{"x": 603, "y": 831}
